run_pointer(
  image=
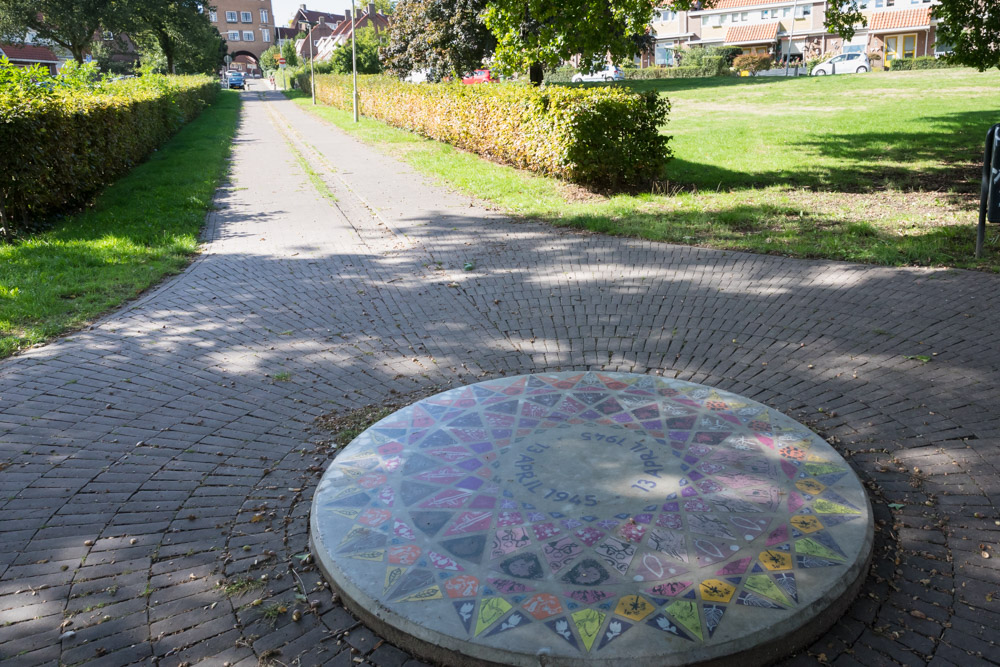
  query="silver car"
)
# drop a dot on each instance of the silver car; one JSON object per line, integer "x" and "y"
{"x": 845, "y": 63}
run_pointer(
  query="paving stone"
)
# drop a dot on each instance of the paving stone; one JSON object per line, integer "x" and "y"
{"x": 247, "y": 308}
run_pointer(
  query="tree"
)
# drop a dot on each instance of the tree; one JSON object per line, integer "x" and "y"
{"x": 446, "y": 36}
{"x": 385, "y": 6}
{"x": 532, "y": 34}
{"x": 269, "y": 59}
{"x": 972, "y": 31}
{"x": 180, "y": 30}
{"x": 369, "y": 43}
{"x": 71, "y": 24}
{"x": 288, "y": 51}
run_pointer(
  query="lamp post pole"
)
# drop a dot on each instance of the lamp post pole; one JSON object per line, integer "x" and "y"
{"x": 354, "y": 58}
{"x": 791, "y": 35}
{"x": 312, "y": 67}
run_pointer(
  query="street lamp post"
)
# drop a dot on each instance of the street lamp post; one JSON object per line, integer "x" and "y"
{"x": 791, "y": 35}
{"x": 312, "y": 67}
{"x": 354, "y": 58}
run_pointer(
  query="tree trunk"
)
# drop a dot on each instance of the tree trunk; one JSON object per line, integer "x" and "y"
{"x": 536, "y": 74}
{"x": 77, "y": 52}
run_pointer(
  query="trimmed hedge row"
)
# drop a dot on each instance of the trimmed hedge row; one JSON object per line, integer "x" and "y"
{"x": 61, "y": 146}
{"x": 922, "y": 62}
{"x": 604, "y": 137}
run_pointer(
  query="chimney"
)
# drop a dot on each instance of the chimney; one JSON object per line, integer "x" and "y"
{"x": 302, "y": 7}
{"x": 371, "y": 9}
{"x": 347, "y": 15}
{"x": 322, "y": 19}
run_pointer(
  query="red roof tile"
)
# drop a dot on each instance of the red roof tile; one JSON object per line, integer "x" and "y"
{"x": 906, "y": 18}
{"x": 736, "y": 4}
{"x": 29, "y": 53}
{"x": 379, "y": 21}
{"x": 746, "y": 34}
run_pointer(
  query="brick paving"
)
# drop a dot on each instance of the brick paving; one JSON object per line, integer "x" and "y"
{"x": 156, "y": 469}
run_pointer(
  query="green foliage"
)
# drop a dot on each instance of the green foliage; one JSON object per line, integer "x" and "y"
{"x": 729, "y": 53}
{"x": 269, "y": 59}
{"x": 177, "y": 33}
{"x": 972, "y": 31}
{"x": 752, "y": 63}
{"x": 71, "y": 24}
{"x": 369, "y": 43}
{"x": 67, "y": 137}
{"x": 288, "y": 51}
{"x": 445, "y": 36}
{"x": 548, "y": 32}
{"x": 922, "y": 62}
{"x": 606, "y": 137}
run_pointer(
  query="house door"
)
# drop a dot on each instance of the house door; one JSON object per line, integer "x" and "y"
{"x": 891, "y": 49}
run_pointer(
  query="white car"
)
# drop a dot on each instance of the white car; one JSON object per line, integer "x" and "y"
{"x": 609, "y": 73}
{"x": 845, "y": 63}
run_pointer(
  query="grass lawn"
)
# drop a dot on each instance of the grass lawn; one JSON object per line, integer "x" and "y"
{"x": 142, "y": 228}
{"x": 880, "y": 168}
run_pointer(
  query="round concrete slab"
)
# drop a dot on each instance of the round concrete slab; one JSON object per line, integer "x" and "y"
{"x": 592, "y": 518}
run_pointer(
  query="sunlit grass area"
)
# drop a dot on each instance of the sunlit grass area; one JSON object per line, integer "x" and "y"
{"x": 139, "y": 230}
{"x": 881, "y": 168}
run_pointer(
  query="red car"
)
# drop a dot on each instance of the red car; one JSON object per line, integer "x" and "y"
{"x": 480, "y": 76}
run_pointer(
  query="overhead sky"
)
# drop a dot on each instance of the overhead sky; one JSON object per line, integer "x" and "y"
{"x": 284, "y": 9}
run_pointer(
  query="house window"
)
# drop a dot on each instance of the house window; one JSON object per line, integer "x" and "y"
{"x": 263, "y": 16}
{"x": 745, "y": 16}
{"x": 909, "y": 46}
{"x": 213, "y": 16}
{"x": 247, "y": 17}
{"x": 668, "y": 15}
{"x": 234, "y": 36}
{"x": 736, "y": 18}
{"x": 248, "y": 35}
{"x": 879, "y": 3}
{"x": 765, "y": 14}
{"x": 704, "y": 21}
{"x": 803, "y": 11}
{"x": 786, "y": 11}
{"x": 230, "y": 17}
{"x": 265, "y": 35}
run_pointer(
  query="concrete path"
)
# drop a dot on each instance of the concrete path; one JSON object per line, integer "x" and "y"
{"x": 156, "y": 469}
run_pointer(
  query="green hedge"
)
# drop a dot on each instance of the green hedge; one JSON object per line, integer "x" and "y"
{"x": 600, "y": 136}
{"x": 63, "y": 143}
{"x": 923, "y": 62}
{"x": 710, "y": 66}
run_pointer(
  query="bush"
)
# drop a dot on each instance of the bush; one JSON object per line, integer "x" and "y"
{"x": 65, "y": 138}
{"x": 605, "y": 137}
{"x": 752, "y": 63}
{"x": 563, "y": 75}
{"x": 922, "y": 62}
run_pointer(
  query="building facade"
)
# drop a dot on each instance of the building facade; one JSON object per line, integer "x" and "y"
{"x": 896, "y": 29}
{"x": 248, "y": 27}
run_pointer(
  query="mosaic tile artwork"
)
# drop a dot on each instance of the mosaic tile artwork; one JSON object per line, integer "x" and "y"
{"x": 568, "y": 511}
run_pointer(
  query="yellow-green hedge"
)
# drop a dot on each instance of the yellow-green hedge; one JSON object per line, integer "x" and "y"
{"x": 605, "y": 137}
{"x": 62, "y": 144}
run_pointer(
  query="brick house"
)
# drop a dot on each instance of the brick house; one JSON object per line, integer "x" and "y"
{"x": 371, "y": 18}
{"x": 305, "y": 18}
{"x": 896, "y": 29}
{"x": 26, "y": 55}
{"x": 248, "y": 28}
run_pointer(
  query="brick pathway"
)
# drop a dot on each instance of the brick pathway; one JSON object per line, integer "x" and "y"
{"x": 156, "y": 469}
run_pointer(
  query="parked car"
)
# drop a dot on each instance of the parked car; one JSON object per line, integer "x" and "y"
{"x": 845, "y": 63}
{"x": 480, "y": 76}
{"x": 609, "y": 73}
{"x": 236, "y": 80}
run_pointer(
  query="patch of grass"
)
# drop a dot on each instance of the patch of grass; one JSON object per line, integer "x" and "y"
{"x": 241, "y": 586}
{"x": 282, "y": 377}
{"x": 880, "y": 168}
{"x": 142, "y": 228}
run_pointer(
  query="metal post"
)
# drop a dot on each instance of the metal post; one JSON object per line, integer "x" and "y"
{"x": 312, "y": 67}
{"x": 985, "y": 192}
{"x": 354, "y": 58}
{"x": 791, "y": 34}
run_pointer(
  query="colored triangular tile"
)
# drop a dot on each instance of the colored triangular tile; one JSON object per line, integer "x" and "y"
{"x": 491, "y": 610}
{"x": 663, "y": 623}
{"x": 616, "y": 628}
{"x": 686, "y": 614}
{"x": 430, "y": 593}
{"x": 515, "y": 620}
{"x": 588, "y": 624}
{"x": 561, "y": 626}
{"x": 765, "y": 586}
{"x": 713, "y": 616}
{"x": 634, "y": 607}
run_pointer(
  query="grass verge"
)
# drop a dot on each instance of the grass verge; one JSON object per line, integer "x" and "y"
{"x": 878, "y": 168}
{"x": 142, "y": 228}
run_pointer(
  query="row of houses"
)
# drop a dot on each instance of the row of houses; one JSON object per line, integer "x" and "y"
{"x": 794, "y": 29}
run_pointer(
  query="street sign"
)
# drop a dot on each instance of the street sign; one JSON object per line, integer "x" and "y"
{"x": 281, "y": 61}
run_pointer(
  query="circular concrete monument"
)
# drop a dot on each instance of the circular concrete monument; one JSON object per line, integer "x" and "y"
{"x": 592, "y": 518}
